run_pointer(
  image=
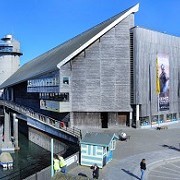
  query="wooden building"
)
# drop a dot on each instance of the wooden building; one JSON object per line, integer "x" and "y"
{"x": 104, "y": 77}
{"x": 97, "y": 148}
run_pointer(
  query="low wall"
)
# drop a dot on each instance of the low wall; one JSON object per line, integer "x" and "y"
{"x": 44, "y": 141}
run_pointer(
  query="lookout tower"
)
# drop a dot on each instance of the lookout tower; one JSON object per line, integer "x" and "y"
{"x": 9, "y": 57}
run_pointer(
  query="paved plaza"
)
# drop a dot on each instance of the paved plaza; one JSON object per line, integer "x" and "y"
{"x": 160, "y": 148}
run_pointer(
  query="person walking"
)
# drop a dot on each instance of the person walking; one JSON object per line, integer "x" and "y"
{"x": 56, "y": 163}
{"x": 62, "y": 164}
{"x": 143, "y": 168}
{"x": 95, "y": 169}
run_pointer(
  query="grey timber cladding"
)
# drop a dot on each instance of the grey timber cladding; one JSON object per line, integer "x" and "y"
{"x": 100, "y": 76}
{"x": 147, "y": 44}
{"x": 48, "y": 61}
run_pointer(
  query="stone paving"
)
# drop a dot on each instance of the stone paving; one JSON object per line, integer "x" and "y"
{"x": 160, "y": 148}
{"x": 168, "y": 170}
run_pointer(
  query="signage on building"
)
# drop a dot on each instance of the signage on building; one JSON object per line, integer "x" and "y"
{"x": 162, "y": 81}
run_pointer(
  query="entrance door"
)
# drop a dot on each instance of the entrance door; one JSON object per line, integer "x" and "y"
{"x": 104, "y": 120}
{"x": 122, "y": 118}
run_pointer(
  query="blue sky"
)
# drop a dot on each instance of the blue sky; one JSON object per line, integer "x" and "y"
{"x": 40, "y": 25}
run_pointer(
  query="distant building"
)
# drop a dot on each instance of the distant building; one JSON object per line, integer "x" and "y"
{"x": 9, "y": 57}
{"x": 107, "y": 76}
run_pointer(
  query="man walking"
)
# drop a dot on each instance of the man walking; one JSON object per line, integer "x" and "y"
{"x": 143, "y": 168}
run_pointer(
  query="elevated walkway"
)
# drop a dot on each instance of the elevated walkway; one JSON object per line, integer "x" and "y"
{"x": 42, "y": 122}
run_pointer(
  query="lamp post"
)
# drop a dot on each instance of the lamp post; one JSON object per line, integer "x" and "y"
{"x": 52, "y": 149}
{"x": 150, "y": 104}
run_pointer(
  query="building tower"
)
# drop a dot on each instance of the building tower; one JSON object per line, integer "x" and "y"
{"x": 9, "y": 57}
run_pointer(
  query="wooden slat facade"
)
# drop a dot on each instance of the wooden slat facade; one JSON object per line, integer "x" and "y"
{"x": 100, "y": 76}
{"x": 147, "y": 44}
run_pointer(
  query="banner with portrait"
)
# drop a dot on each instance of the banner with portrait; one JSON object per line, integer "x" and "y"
{"x": 162, "y": 81}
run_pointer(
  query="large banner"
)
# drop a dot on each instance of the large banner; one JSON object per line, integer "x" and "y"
{"x": 162, "y": 81}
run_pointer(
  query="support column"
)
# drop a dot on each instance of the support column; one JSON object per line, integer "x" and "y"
{"x": 7, "y": 125}
{"x": 7, "y": 144}
{"x": 137, "y": 116}
{"x": 15, "y": 133}
{"x": 71, "y": 119}
{"x": 12, "y": 94}
{"x": 130, "y": 119}
{"x": 1, "y": 134}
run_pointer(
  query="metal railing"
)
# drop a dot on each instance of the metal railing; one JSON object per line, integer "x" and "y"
{"x": 42, "y": 118}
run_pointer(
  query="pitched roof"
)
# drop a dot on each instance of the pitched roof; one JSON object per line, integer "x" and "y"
{"x": 58, "y": 56}
{"x": 96, "y": 138}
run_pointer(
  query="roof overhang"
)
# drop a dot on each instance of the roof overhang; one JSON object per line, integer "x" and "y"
{"x": 97, "y": 36}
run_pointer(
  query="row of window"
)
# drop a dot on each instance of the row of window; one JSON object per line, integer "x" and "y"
{"x": 144, "y": 121}
{"x": 44, "y": 89}
{"x": 6, "y": 49}
{"x": 62, "y": 97}
{"x": 51, "y": 81}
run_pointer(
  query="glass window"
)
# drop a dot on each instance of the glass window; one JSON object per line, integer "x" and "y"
{"x": 168, "y": 117}
{"x": 144, "y": 121}
{"x": 154, "y": 119}
{"x": 65, "y": 80}
{"x": 113, "y": 145}
{"x": 161, "y": 118}
{"x": 174, "y": 118}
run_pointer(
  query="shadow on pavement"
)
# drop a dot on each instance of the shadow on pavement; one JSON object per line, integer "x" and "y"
{"x": 170, "y": 147}
{"x": 131, "y": 174}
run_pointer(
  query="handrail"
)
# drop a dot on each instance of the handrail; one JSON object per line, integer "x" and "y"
{"x": 42, "y": 118}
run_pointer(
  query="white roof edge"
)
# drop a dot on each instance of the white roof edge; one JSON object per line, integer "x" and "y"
{"x": 68, "y": 58}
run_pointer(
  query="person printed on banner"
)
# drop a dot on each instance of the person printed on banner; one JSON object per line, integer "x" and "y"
{"x": 164, "y": 81}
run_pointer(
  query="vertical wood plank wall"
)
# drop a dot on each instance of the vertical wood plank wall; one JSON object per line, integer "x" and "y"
{"x": 147, "y": 44}
{"x": 100, "y": 75}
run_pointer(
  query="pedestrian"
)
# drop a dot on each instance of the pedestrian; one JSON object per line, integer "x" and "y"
{"x": 143, "y": 168}
{"x": 62, "y": 164}
{"x": 95, "y": 172}
{"x": 56, "y": 163}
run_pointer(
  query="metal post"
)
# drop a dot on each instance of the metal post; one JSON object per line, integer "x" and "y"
{"x": 150, "y": 98}
{"x": 137, "y": 116}
{"x": 7, "y": 144}
{"x": 1, "y": 133}
{"x": 130, "y": 119}
{"x": 71, "y": 119}
{"x": 52, "y": 153}
{"x": 158, "y": 110}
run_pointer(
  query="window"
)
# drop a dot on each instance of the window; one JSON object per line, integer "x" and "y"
{"x": 113, "y": 145}
{"x": 61, "y": 97}
{"x": 174, "y": 118}
{"x": 65, "y": 80}
{"x": 168, "y": 117}
{"x": 144, "y": 121}
{"x": 91, "y": 150}
{"x": 161, "y": 118}
{"x": 154, "y": 119}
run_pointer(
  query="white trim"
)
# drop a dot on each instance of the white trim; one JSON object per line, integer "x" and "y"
{"x": 68, "y": 58}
